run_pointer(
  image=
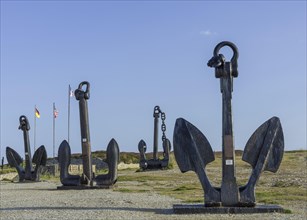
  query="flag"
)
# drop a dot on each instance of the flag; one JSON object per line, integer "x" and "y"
{"x": 55, "y": 113}
{"x": 37, "y": 114}
{"x": 71, "y": 92}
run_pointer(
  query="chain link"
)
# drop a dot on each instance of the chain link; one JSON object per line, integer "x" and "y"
{"x": 158, "y": 111}
{"x": 163, "y": 126}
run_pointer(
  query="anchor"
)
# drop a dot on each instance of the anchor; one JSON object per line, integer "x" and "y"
{"x": 88, "y": 178}
{"x": 263, "y": 151}
{"x": 156, "y": 163}
{"x": 30, "y": 172}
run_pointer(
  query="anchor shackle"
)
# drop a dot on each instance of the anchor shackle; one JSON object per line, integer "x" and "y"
{"x": 218, "y": 60}
{"x": 79, "y": 93}
{"x": 156, "y": 112}
{"x": 24, "y": 123}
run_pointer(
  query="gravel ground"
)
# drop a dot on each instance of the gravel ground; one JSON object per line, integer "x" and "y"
{"x": 41, "y": 200}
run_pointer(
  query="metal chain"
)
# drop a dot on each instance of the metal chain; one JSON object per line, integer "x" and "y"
{"x": 163, "y": 126}
{"x": 158, "y": 111}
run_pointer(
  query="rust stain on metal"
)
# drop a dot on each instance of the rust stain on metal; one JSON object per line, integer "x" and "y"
{"x": 228, "y": 143}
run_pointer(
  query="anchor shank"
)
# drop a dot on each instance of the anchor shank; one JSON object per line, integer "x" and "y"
{"x": 28, "y": 157}
{"x": 85, "y": 140}
{"x": 229, "y": 189}
{"x": 25, "y": 127}
{"x": 156, "y": 133}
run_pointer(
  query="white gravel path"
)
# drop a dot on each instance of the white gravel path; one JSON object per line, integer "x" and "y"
{"x": 42, "y": 200}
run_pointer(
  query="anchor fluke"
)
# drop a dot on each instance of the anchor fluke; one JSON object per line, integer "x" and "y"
{"x": 64, "y": 155}
{"x": 13, "y": 158}
{"x": 112, "y": 160}
{"x": 188, "y": 139}
{"x": 263, "y": 151}
{"x": 142, "y": 149}
{"x": 255, "y": 145}
{"x": 40, "y": 156}
{"x": 193, "y": 152}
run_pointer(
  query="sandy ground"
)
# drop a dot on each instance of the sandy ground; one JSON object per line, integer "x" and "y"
{"x": 42, "y": 200}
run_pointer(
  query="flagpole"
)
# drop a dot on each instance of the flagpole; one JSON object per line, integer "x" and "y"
{"x": 53, "y": 116}
{"x": 69, "y": 91}
{"x": 34, "y": 128}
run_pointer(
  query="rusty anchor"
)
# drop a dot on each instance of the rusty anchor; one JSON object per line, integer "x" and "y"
{"x": 263, "y": 151}
{"x": 155, "y": 162}
{"x": 30, "y": 172}
{"x": 88, "y": 178}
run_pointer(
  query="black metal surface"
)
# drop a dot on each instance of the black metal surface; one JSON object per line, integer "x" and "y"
{"x": 155, "y": 162}
{"x": 30, "y": 172}
{"x": 2, "y": 163}
{"x": 87, "y": 179}
{"x": 264, "y": 150}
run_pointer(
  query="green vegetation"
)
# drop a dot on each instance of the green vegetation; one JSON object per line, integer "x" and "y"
{"x": 125, "y": 157}
{"x": 7, "y": 169}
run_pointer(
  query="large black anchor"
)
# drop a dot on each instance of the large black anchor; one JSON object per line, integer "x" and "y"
{"x": 88, "y": 178}
{"x": 263, "y": 151}
{"x": 28, "y": 173}
{"x": 156, "y": 163}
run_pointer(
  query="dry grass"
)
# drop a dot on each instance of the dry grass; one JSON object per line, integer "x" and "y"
{"x": 287, "y": 187}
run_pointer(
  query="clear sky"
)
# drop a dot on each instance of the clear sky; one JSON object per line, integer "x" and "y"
{"x": 139, "y": 54}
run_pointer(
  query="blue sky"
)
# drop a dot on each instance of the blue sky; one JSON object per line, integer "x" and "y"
{"x": 140, "y": 54}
